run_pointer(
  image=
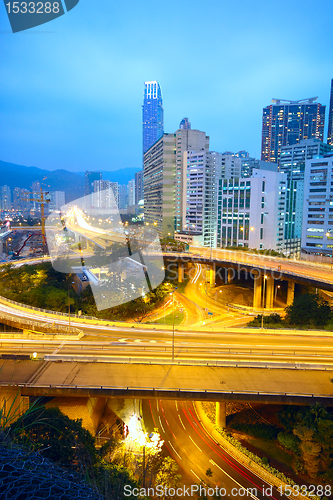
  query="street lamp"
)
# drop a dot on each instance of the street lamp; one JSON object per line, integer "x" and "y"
{"x": 173, "y": 324}
{"x": 264, "y": 302}
{"x": 276, "y": 289}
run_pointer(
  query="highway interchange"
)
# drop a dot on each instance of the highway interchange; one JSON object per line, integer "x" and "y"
{"x": 197, "y": 340}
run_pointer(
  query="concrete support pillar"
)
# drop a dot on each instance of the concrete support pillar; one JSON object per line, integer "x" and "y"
{"x": 269, "y": 291}
{"x": 221, "y": 414}
{"x": 180, "y": 272}
{"x": 290, "y": 293}
{"x": 212, "y": 274}
{"x": 257, "y": 291}
{"x": 230, "y": 275}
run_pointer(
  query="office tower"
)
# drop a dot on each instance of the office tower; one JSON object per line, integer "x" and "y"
{"x": 185, "y": 124}
{"x": 159, "y": 167}
{"x": 200, "y": 192}
{"x": 138, "y": 186}
{"x": 152, "y": 114}
{"x": 186, "y": 140}
{"x": 251, "y": 211}
{"x": 90, "y": 177}
{"x": 131, "y": 193}
{"x": 330, "y": 118}
{"x": 317, "y": 229}
{"x": 288, "y": 122}
{"x": 6, "y": 198}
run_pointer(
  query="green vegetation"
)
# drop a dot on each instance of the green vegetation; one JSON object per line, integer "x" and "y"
{"x": 261, "y": 431}
{"x": 168, "y": 320}
{"x": 106, "y": 470}
{"x": 308, "y": 310}
{"x": 308, "y": 434}
{"x": 41, "y": 286}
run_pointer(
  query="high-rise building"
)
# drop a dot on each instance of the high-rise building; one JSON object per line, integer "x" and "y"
{"x": 6, "y": 198}
{"x": 186, "y": 140}
{"x": 103, "y": 196}
{"x": 57, "y": 200}
{"x": 185, "y": 124}
{"x": 288, "y": 122}
{"x": 292, "y": 163}
{"x": 249, "y": 163}
{"x": 131, "y": 193}
{"x": 138, "y": 186}
{"x": 20, "y": 199}
{"x": 317, "y": 230}
{"x": 152, "y": 114}
{"x": 251, "y": 211}
{"x": 159, "y": 166}
{"x": 330, "y": 118}
{"x": 201, "y": 196}
{"x": 90, "y": 177}
{"x": 231, "y": 166}
{"x": 115, "y": 190}
{"x": 122, "y": 196}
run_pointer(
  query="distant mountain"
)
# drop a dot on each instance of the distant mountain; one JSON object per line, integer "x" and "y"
{"x": 20, "y": 176}
{"x": 72, "y": 183}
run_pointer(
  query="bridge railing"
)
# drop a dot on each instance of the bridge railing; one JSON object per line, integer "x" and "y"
{"x": 161, "y": 389}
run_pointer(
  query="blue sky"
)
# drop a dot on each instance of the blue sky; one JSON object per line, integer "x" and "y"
{"x": 72, "y": 89}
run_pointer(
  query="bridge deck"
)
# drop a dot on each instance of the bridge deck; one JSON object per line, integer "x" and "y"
{"x": 168, "y": 382}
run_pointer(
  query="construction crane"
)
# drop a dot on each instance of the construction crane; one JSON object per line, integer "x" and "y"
{"x": 42, "y": 200}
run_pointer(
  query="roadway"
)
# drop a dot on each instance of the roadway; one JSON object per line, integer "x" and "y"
{"x": 195, "y": 451}
{"x": 288, "y": 268}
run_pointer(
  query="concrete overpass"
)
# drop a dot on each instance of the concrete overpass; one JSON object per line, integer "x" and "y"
{"x": 264, "y": 270}
{"x": 114, "y": 380}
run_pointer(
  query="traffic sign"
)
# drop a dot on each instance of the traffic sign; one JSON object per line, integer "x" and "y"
{"x": 210, "y": 313}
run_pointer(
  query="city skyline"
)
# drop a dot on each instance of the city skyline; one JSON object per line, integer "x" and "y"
{"x": 63, "y": 110}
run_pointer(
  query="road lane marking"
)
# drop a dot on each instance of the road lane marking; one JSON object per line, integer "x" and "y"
{"x": 230, "y": 477}
{"x": 60, "y": 347}
{"x": 159, "y": 418}
{"x": 137, "y": 340}
{"x": 195, "y": 444}
{"x": 181, "y": 422}
{"x": 195, "y": 475}
{"x": 122, "y": 340}
{"x": 157, "y": 405}
{"x": 176, "y": 403}
{"x": 175, "y": 451}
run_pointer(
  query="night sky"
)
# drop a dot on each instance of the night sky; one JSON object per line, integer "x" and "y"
{"x": 72, "y": 89}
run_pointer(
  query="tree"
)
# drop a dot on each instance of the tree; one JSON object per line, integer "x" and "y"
{"x": 58, "y": 437}
{"x": 308, "y": 309}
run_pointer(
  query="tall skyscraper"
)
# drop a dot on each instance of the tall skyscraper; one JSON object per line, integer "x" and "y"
{"x": 152, "y": 114}
{"x": 330, "y": 119}
{"x": 288, "y": 122}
